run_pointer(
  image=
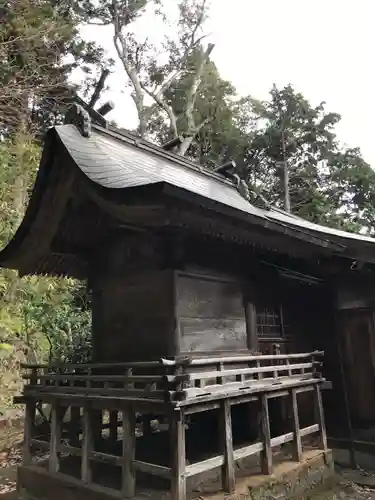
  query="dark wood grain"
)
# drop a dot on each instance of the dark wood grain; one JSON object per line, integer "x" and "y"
{"x": 212, "y": 334}
{"x": 128, "y": 452}
{"x": 210, "y": 314}
{"x": 297, "y": 443}
{"x": 266, "y": 455}
{"x": 228, "y": 469}
{"x": 178, "y": 465}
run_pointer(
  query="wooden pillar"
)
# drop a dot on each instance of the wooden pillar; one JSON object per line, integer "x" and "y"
{"x": 74, "y": 425}
{"x": 225, "y": 429}
{"x": 266, "y": 456}
{"x": 96, "y": 418}
{"x": 113, "y": 425}
{"x": 146, "y": 424}
{"x": 251, "y": 325}
{"x": 128, "y": 452}
{"x": 178, "y": 455}
{"x": 297, "y": 442}
{"x": 55, "y": 437}
{"x": 28, "y": 431}
{"x": 87, "y": 445}
{"x": 320, "y": 414}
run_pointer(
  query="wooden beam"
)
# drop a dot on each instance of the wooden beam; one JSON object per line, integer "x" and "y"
{"x": 251, "y": 326}
{"x": 87, "y": 446}
{"x": 225, "y": 429}
{"x": 178, "y": 449}
{"x": 297, "y": 442}
{"x": 321, "y": 421}
{"x": 75, "y": 424}
{"x": 113, "y": 425}
{"x": 266, "y": 454}
{"x": 128, "y": 452}
{"x": 55, "y": 437}
{"x": 28, "y": 432}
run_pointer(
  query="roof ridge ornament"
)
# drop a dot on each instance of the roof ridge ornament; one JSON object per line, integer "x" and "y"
{"x": 78, "y": 116}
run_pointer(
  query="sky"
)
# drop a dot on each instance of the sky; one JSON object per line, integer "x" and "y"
{"x": 324, "y": 48}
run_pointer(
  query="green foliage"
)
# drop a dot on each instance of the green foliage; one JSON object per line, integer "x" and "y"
{"x": 41, "y": 318}
{"x": 40, "y": 45}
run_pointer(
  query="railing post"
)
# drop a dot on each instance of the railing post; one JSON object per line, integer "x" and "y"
{"x": 55, "y": 437}
{"x": 128, "y": 452}
{"x": 74, "y": 425}
{"x": 87, "y": 445}
{"x": 225, "y": 429}
{"x": 178, "y": 452}
{"x": 266, "y": 456}
{"x": 28, "y": 431}
{"x": 320, "y": 414}
{"x": 30, "y": 410}
{"x": 113, "y": 425}
{"x": 297, "y": 443}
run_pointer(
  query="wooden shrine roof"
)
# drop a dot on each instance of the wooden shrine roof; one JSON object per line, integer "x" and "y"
{"x": 113, "y": 160}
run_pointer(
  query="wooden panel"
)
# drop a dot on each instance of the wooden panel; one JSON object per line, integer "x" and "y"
{"x": 210, "y": 313}
{"x": 212, "y": 334}
{"x": 209, "y": 298}
{"x": 358, "y": 343}
{"x": 134, "y": 317}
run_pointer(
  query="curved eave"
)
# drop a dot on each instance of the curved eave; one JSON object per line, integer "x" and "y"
{"x": 10, "y": 254}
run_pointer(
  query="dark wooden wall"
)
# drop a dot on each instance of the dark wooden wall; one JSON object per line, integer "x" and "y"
{"x": 147, "y": 304}
{"x": 133, "y": 318}
{"x": 356, "y": 334}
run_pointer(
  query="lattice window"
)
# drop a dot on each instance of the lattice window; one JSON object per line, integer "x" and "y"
{"x": 272, "y": 322}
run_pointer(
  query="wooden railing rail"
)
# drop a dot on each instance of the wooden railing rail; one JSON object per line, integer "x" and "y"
{"x": 188, "y": 380}
{"x": 178, "y": 471}
{"x": 238, "y": 359}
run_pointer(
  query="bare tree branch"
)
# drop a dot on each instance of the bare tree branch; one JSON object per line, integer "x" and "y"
{"x": 99, "y": 87}
{"x": 192, "y": 92}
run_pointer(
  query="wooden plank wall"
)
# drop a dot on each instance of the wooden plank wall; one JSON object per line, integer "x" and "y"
{"x": 133, "y": 317}
{"x": 357, "y": 335}
{"x": 210, "y": 314}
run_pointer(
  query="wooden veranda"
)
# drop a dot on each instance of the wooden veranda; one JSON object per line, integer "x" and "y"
{"x": 171, "y": 390}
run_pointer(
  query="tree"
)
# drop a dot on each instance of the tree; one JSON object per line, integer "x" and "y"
{"x": 37, "y": 38}
{"x": 293, "y": 140}
{"x": 152, "y": 70}
{"x": 217, "y": 108}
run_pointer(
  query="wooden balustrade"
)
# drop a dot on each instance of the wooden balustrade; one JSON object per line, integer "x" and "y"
{"x": 87, "y": 392}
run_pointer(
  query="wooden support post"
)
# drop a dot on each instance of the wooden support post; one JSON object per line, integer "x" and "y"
{"x": 28, "y": 431}
{"x": 321, "y": 421}
{"x": 266, "y": 456}
{"x": 146, "y": 424}
{"x": 178, "y": 452}
{"x": 55, "y": 437}
{"x": 74, "y": 425}
{"x": 96, "y": 418}
{"x": 113, "y": 425}
{"x": 30, "y": 409}
{"x": 87, "y": 445}
{"x": 251, "y": 326}
{"x": 297, "y": 442}
{"x": 225, "y": 429}
{"x": 128, "y": 452}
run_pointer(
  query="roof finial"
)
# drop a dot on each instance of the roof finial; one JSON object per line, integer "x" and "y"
{"x": 78, "y": 116}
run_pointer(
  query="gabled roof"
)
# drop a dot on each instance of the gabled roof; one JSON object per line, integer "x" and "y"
{"x": 116, "y": 160}
{"x": 121, "y": 160}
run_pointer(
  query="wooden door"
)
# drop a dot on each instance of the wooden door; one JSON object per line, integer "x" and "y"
{"x": 357, "y": 335}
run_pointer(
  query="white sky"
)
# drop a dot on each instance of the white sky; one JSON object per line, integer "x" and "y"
{"x": 325, "y": 48}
